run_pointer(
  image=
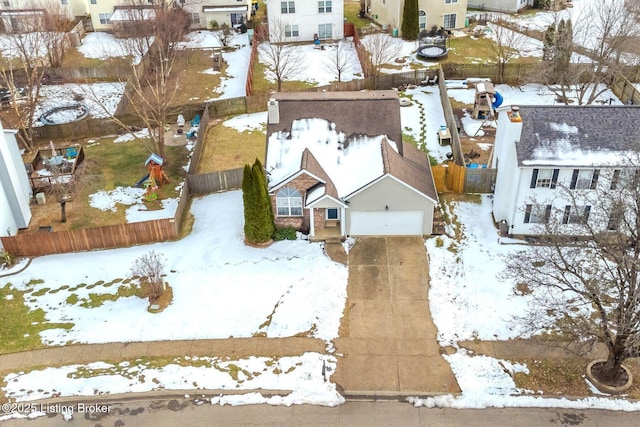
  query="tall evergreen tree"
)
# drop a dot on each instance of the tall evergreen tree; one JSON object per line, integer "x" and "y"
{"x": 410, "y": 28}
{"x": 258, "y": 215}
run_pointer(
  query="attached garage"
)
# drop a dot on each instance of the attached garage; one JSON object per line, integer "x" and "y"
{"x": 387, "y": 223}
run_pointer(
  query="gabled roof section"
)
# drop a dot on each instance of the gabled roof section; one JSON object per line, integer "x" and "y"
{"x": 310, "y": 163}
{"x": 413, "y": 169}
{"x": 370, "y": 113}
{"x": 578, "y": 135}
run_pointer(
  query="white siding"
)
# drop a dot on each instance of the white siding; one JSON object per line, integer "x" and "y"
{"x": 394, "y": 194}
{"x": 499, "y": 5}
{"x": 15, "y": 190}
{"x": 505, "y": 160}
{"x": 307, "y": 18}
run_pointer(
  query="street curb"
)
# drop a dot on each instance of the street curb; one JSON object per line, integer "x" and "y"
{"x": 401, "y": 396}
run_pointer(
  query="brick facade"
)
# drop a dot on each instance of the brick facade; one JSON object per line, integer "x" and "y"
{"x": 302, "y": 224}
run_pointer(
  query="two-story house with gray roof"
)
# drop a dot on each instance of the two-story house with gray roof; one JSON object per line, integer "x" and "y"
{"x": 552, "y": 159}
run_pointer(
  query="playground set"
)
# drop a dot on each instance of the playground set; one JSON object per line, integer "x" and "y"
{"x": 154, "y": 179}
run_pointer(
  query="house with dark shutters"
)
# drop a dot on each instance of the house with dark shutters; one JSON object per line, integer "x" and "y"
{"x": 547, "y": 157}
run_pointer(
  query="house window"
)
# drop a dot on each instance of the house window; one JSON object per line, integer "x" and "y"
{"x": 584, "y": 179}
{"x": 324, "y": 31}
{"x": 332, "y": 213}
{"x": 291, "y": 31}
{"x": 422, "y": 19}
{"x": 64, "y": 2}
{"x": 289, "y": 202}
{"x": 104, "y": 18}
{"x": 195, "y": 18}
{"x": 537, "y": 214}
{"x": 324, "y": 6}
{"x": 450, "y": 1}
{"x": 6, "y": 3}
{"x": 576, "y": 214}
{"x": 544, "y": 178}
{"x": 449, "y": 20}
{"x": 625, "y": 179}
{"x": 615, "y": 217}
{"x": 287, "y": 7}
{"x": 94, "y": 1}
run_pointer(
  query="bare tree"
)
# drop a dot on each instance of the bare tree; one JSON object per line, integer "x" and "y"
{"x": 381, "y": 49}
{"x": 150, "y": 267}
{"x": 152, "y": 33}
{"x": 506, "y": 47}
{"x": 599, "y": 39}
{"x": 585, "y": 271}
{"x": 283, "y": 60}
{"x": 339, "y": 60}
{"x": 37, "y": 42}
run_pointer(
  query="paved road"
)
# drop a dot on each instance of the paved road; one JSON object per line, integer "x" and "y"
{"x": 188, "y": 413}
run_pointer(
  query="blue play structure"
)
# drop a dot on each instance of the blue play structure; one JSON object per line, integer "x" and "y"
{"x": 497, "y": 100}
{"x": 139, "y": 183}
{"x": 196, "y": 120}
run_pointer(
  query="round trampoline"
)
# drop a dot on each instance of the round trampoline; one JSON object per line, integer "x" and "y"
{"x": 64, "y": 114}
{"x": 432, "y": 53}
{"x": 432, "y": 45}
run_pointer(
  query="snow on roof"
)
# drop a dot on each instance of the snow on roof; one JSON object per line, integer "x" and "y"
{"x": 350, "y": 163}
{"x": 578, "y": 135}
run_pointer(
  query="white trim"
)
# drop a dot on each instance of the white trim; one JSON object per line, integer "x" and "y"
{"x": 375, "y": 181}
{"x": 326, "y": 196}
{"x": 312, "y": 230}
{"x": 214, "y": 9}
{"x": 292, "y": 177}
{"x": 343, "y": 222}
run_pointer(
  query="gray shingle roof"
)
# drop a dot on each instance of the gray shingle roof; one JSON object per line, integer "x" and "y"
{"x": 581, "y": 135}
{"x": 370, "y": 113}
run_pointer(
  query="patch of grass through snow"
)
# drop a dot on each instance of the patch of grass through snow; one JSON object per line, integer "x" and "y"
{"x": 21, "y": 325}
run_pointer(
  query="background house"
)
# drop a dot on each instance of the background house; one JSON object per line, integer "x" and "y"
{"x": 228, "y": 12}
{"x": 297, "y": 20}
{"x": 15, "y": 191}
{"x": 449, "y": 14}
{"x": 512, "y": 6}
{"x": 550, "y": 156}
{"x": 336, "y": 163}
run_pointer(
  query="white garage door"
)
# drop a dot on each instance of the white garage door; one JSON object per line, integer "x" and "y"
{"x": 386, "y": 223}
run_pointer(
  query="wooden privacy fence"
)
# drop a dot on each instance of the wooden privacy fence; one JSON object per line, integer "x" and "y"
{"x": 112, "y": 236}
{"x": 460, "y": 179}
{"x": 450, "y": 120}
{"x": 625, "y": 90}
{"x": 479, "y": 180}
{"x": 213, "y": 182}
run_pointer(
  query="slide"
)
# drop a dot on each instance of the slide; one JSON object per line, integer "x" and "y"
{"x": 139, "y": 183}
{"x": 497, "y": 100}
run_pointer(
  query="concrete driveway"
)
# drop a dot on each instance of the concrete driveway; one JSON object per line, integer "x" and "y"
{"x": 387, "y": 338}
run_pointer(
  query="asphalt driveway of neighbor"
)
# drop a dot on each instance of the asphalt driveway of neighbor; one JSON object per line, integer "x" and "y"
{"x": 387, "y": 337}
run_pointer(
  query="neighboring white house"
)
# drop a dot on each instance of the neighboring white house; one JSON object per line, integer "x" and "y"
{"x": 304, "y": 20}
{"x": 15, "y": 190}
{"x": 337, "y": 166}
{"x": 448, "y": 14}
{"x": 202, "y": 12}
{"x": 512, "y": 6}
{"x": 548, "y": 155}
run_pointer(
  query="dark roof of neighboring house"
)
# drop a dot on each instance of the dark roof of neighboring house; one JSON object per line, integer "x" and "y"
{"x": 370, "y": 113}
{"x": 577, "y": 135}
{"x": 412, "y": 168}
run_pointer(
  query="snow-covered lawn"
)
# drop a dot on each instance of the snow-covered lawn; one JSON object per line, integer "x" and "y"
{"x": 318, "y": 68}
{"x": 470, "y": 300}
{"x": 101, "y": 99}
{"x": 299, "y": 377}
{"x": 221, "y": 287}
{"x": 101, "y": 45}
